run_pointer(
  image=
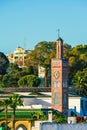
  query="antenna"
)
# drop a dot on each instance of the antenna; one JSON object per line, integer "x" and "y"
{"x": 24, "y": 50}
{"x": 25, "y": 43}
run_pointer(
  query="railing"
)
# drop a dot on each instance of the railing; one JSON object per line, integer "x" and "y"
{"x": 33, "y": 89}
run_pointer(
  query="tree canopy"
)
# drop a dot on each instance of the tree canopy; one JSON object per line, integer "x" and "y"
{"x": 29, "y": 81}
{"x": 42, "y": 54}
{"x": 4, "y": 62}
{"x": 80, "y": 82}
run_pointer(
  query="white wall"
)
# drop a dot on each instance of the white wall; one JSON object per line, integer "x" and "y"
{"x": 45, "y": 102}
{"x": 53, "y": 126}
{"x": 74, "y": 102}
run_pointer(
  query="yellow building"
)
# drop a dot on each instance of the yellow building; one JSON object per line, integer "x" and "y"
{"x": 19, "y": 124}
{"x": 19, "y": 56}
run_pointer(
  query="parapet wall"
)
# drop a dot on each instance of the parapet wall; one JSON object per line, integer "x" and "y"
{"x": 54, "y": 126}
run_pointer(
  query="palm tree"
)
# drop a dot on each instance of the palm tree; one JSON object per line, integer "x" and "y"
{"x": 1, "y": 106}
{"x": 39, "y": 116}
{"x": 6, "y": 103}
{"x": 80, "y": 81}
{"x": 15, "y": 100}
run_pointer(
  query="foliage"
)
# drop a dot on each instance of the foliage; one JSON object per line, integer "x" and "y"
{"x": 61, "y": 119}
{"x": 57, "y": 117}
{"x": 1, "y": 106}
{"x": 2, "y": 85}
{"x": 4, "y": 106}
{"x": 14, "y": 74}
{"x": 80, "y": 82}
{"x": 3, "y": 63}
{"x": 41, "y": 55}
{"x": 13, "y": 67}
{"x": 10, "y": 80}
{"x": 29, "y": 81}
{"x": 6, "y": 103}
{"x": 39, "y": 116}
{"x": 15, "y": 100}
{"x": 77, "y": 60}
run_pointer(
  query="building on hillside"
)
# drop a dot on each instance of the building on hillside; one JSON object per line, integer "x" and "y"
{"x": 10, "y": 57}
{"x": 19, "y": 56}
{"x": 41, "y": 75}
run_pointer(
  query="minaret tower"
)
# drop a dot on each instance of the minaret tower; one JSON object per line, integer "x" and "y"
{"x": 59, "y": 48}
{"x": 59, "y": 80}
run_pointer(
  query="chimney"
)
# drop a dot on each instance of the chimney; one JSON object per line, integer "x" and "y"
{"x": 50, "y": 116}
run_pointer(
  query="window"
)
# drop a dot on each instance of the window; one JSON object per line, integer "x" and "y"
{"x": 56, "y": 98}
{"x": 15, "y": 57}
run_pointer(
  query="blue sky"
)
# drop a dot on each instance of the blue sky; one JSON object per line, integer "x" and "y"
{"x": 26, "y": 22}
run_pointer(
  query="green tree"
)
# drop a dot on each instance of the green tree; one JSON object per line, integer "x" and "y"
{"x": 23, "y": 82}
{"x": 10, "y": 80}
{"x": 6, "y": 103}
{"x": 67, "y": 49}
{"x": 39, "y": 116}
{"x": 13, "y": 67}
{"x": 58, "y": 117}
{"x": 29, "y": 81}
{"x": 30, "y": 70}
{"x": 4, "y": 62}
{"x": 4, "y": 106}
{"x": 61, "y": 119}
{"x": 33, "y": 81}
{"x": 15, "y": 73}
{"x": 83, "y": 59}
{"x": 80, "y": 82}
{"x": 77, "y": 59}
{"x": 15, "y": 100}
{"x": 1, "y": 106}
{"x": 41, "y": 55}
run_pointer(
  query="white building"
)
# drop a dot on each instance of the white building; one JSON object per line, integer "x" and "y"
{"x": 76, "y": 104}
{"x": 41, "y": 75}
{"x": 19, "y": 56}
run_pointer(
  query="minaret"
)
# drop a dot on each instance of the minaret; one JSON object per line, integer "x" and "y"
{"x": 59, "y": 48}
{"x": 59, "y": 80}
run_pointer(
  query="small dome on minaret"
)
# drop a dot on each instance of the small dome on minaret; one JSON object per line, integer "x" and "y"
{"x": 59, "y": 39}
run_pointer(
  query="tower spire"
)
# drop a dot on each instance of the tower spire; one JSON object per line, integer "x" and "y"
{"x": 58, "y": 30}
{"x": 59, "y": 46}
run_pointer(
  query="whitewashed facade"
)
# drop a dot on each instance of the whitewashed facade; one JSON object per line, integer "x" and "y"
{"x": 76, "y": 104}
